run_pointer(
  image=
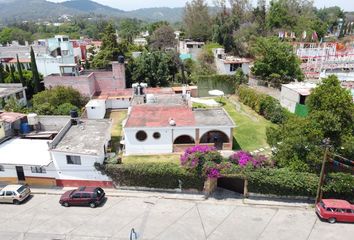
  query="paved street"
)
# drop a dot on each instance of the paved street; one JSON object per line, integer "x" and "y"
{"x": 41, "y": 217}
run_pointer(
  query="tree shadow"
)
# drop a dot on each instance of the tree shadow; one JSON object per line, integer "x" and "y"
{"x": 235, "y": 145}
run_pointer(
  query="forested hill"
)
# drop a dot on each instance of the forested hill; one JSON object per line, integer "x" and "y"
{"x": 32, "y": 10}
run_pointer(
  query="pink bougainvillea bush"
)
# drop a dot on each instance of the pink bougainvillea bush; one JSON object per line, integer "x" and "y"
{"x": 204, "y": 160}
{"x": 244, "y": 159}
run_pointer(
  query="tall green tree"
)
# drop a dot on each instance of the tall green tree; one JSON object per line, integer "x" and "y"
{"x": 331, "y": 115}
{"x": 129, "y": 29}
{"x": 35, "y": 74}
{"x": 156, "y": 69}
{"x": 276, "y": 62}
{"x": 197, "y": 20}
{"x": 110, "y": 49}
{"x": 19, "y": 70}
{"x": 12, "y": 74}
{"x": 2, "y": 73}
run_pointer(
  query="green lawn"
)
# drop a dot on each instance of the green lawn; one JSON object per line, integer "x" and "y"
{"x": 174, "y": 158}
{"x": 250, "y": 131}
{"x": 116, "y": 132}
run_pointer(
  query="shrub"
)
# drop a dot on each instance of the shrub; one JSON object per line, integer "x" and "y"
{"x": 263, "y": 104}
{"x": 153, "y": 175}
{"x": 285, "y": 182}
{"x": 202, "y": 160}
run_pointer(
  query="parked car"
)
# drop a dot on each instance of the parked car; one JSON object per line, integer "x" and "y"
{"x": 14, "y": 194}
{"x": 334, "y": 210}
{"x": 83, "y": 196}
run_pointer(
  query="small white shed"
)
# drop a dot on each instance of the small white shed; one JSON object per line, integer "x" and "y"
{"x": 96, "y": 109}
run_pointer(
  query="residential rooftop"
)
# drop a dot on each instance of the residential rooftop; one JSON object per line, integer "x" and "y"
{"x": 88, "y": 137}
{"x": 159, "y": 116}
{"x": 303, "y": 88}
{"x": 212, "y": 117}
{"x": 11, "y": 117}
{"x": 18, "y": 151}
{"x": 7, "y": 89}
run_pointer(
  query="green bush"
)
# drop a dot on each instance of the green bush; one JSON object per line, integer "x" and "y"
{"x": 263, "y": 104}
{"x": 153, "y": 175}
{"x": 284, "y": 182}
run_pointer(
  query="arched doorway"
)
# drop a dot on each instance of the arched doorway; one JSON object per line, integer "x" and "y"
{"x": 184, "y": 139}
{"x": 216, "y": 137}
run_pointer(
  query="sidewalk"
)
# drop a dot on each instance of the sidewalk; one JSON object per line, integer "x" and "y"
{"x": 219, "y": 197}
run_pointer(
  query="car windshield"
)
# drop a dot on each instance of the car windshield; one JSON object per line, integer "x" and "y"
{"x": 21, "y": 189}
{"x": 322, "y": 205}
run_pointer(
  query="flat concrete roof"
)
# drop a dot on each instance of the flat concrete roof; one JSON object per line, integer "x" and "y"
{"x": 212, "y": 117}
{"x": 303, "y": 88}
{"x": 7, "y": 89}
{"x": 25, "y": 152}
{"x": 87, "y": 138}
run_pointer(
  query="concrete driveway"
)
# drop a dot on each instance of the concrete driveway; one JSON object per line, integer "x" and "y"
{"x": 41, "y": 217}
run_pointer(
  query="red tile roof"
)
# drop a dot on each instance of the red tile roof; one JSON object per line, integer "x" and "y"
{"x": 159, "y": 116}
{"x": 21, "y": 60}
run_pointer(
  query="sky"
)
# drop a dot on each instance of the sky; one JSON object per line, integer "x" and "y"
{"x": 347, "y": 5}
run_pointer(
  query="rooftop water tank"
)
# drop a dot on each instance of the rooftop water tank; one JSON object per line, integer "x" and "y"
{"x": 25, "y": 128}
{"x": 121, "y": 59}
{"x": 74, "y": 113}
{"x": 32, "y": 119}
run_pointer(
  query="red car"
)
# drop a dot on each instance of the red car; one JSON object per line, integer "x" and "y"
{"x": 334, "y": 210}
{"x": 83, "y": 196}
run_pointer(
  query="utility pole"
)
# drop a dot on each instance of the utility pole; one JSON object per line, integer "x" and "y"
{"x": 322, "y": 174}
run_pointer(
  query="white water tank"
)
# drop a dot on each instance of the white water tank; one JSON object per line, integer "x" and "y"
{"x": 32, "y": 119}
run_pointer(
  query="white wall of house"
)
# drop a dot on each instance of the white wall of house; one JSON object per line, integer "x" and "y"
{"x": 96, "y": 109}
{"x": 48, "y": 65}
{"x": 289, "y": 98}
{"x": 150, "y": 145}
{"x": 119, "y": 103}
{"x": 29, "y": 171}
{"x": 85, "y": 171}
{"x": 20, "y": 97}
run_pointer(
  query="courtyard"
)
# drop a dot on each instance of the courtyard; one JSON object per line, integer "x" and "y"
{"x": 41, "y": 217}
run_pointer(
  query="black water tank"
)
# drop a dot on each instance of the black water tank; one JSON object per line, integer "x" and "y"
{"x": 121, "y": 59}
{"x": 74, "y": 113}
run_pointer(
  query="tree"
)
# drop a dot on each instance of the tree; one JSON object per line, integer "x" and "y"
{"x": 12, "y": 75}
{"x": 155, "y": 68}
{"x": 276, "y": 61}
{"x": 331, "y": 115}
{"x": 331, "y": 110}
{"x": 57, "y": 100}
{"x": 110, "y": 49}
{"x": 35, "y": 74}
{"x": 129, "y": 29}
{"x": 19, "y": 70}
{"x": 162, "y": 38}
{"x": 197, "y": 20}
{"x": 2, "y": 73}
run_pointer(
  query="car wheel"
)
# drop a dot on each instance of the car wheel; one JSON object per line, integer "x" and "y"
{"x": 65, "y": 204}
{"x": 92, "y": 205}
{"x": 16, "y": 202}
{"x": 332, "y": 220}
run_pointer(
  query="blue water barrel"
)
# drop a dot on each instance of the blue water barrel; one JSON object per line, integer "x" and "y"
{"x": 25, "y": 128}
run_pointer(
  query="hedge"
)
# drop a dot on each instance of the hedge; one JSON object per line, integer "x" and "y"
{"x": 263, "y": 104}
{"x": 153, "y": 175}
{"x": 225, "y": 83}
{"x": 284, "y": 182}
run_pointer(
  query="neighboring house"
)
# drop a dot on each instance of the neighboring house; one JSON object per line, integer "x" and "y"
{"x": 228, "y": 65}
{"x": 51, "y": 54}
{"x": 56, "y": 151}
{"x": 12, "y": 90}
{"x": 190, "y": 49}
{"x": 10, "y": 123}
{"x": 165, "y": 127}
{"x": 90, "y": 83}
{"x": 293, "y": 96}
{"x": 140, "y": 42}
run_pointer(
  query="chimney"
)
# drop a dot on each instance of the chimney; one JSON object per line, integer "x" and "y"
{"x": 118, "y": 71}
